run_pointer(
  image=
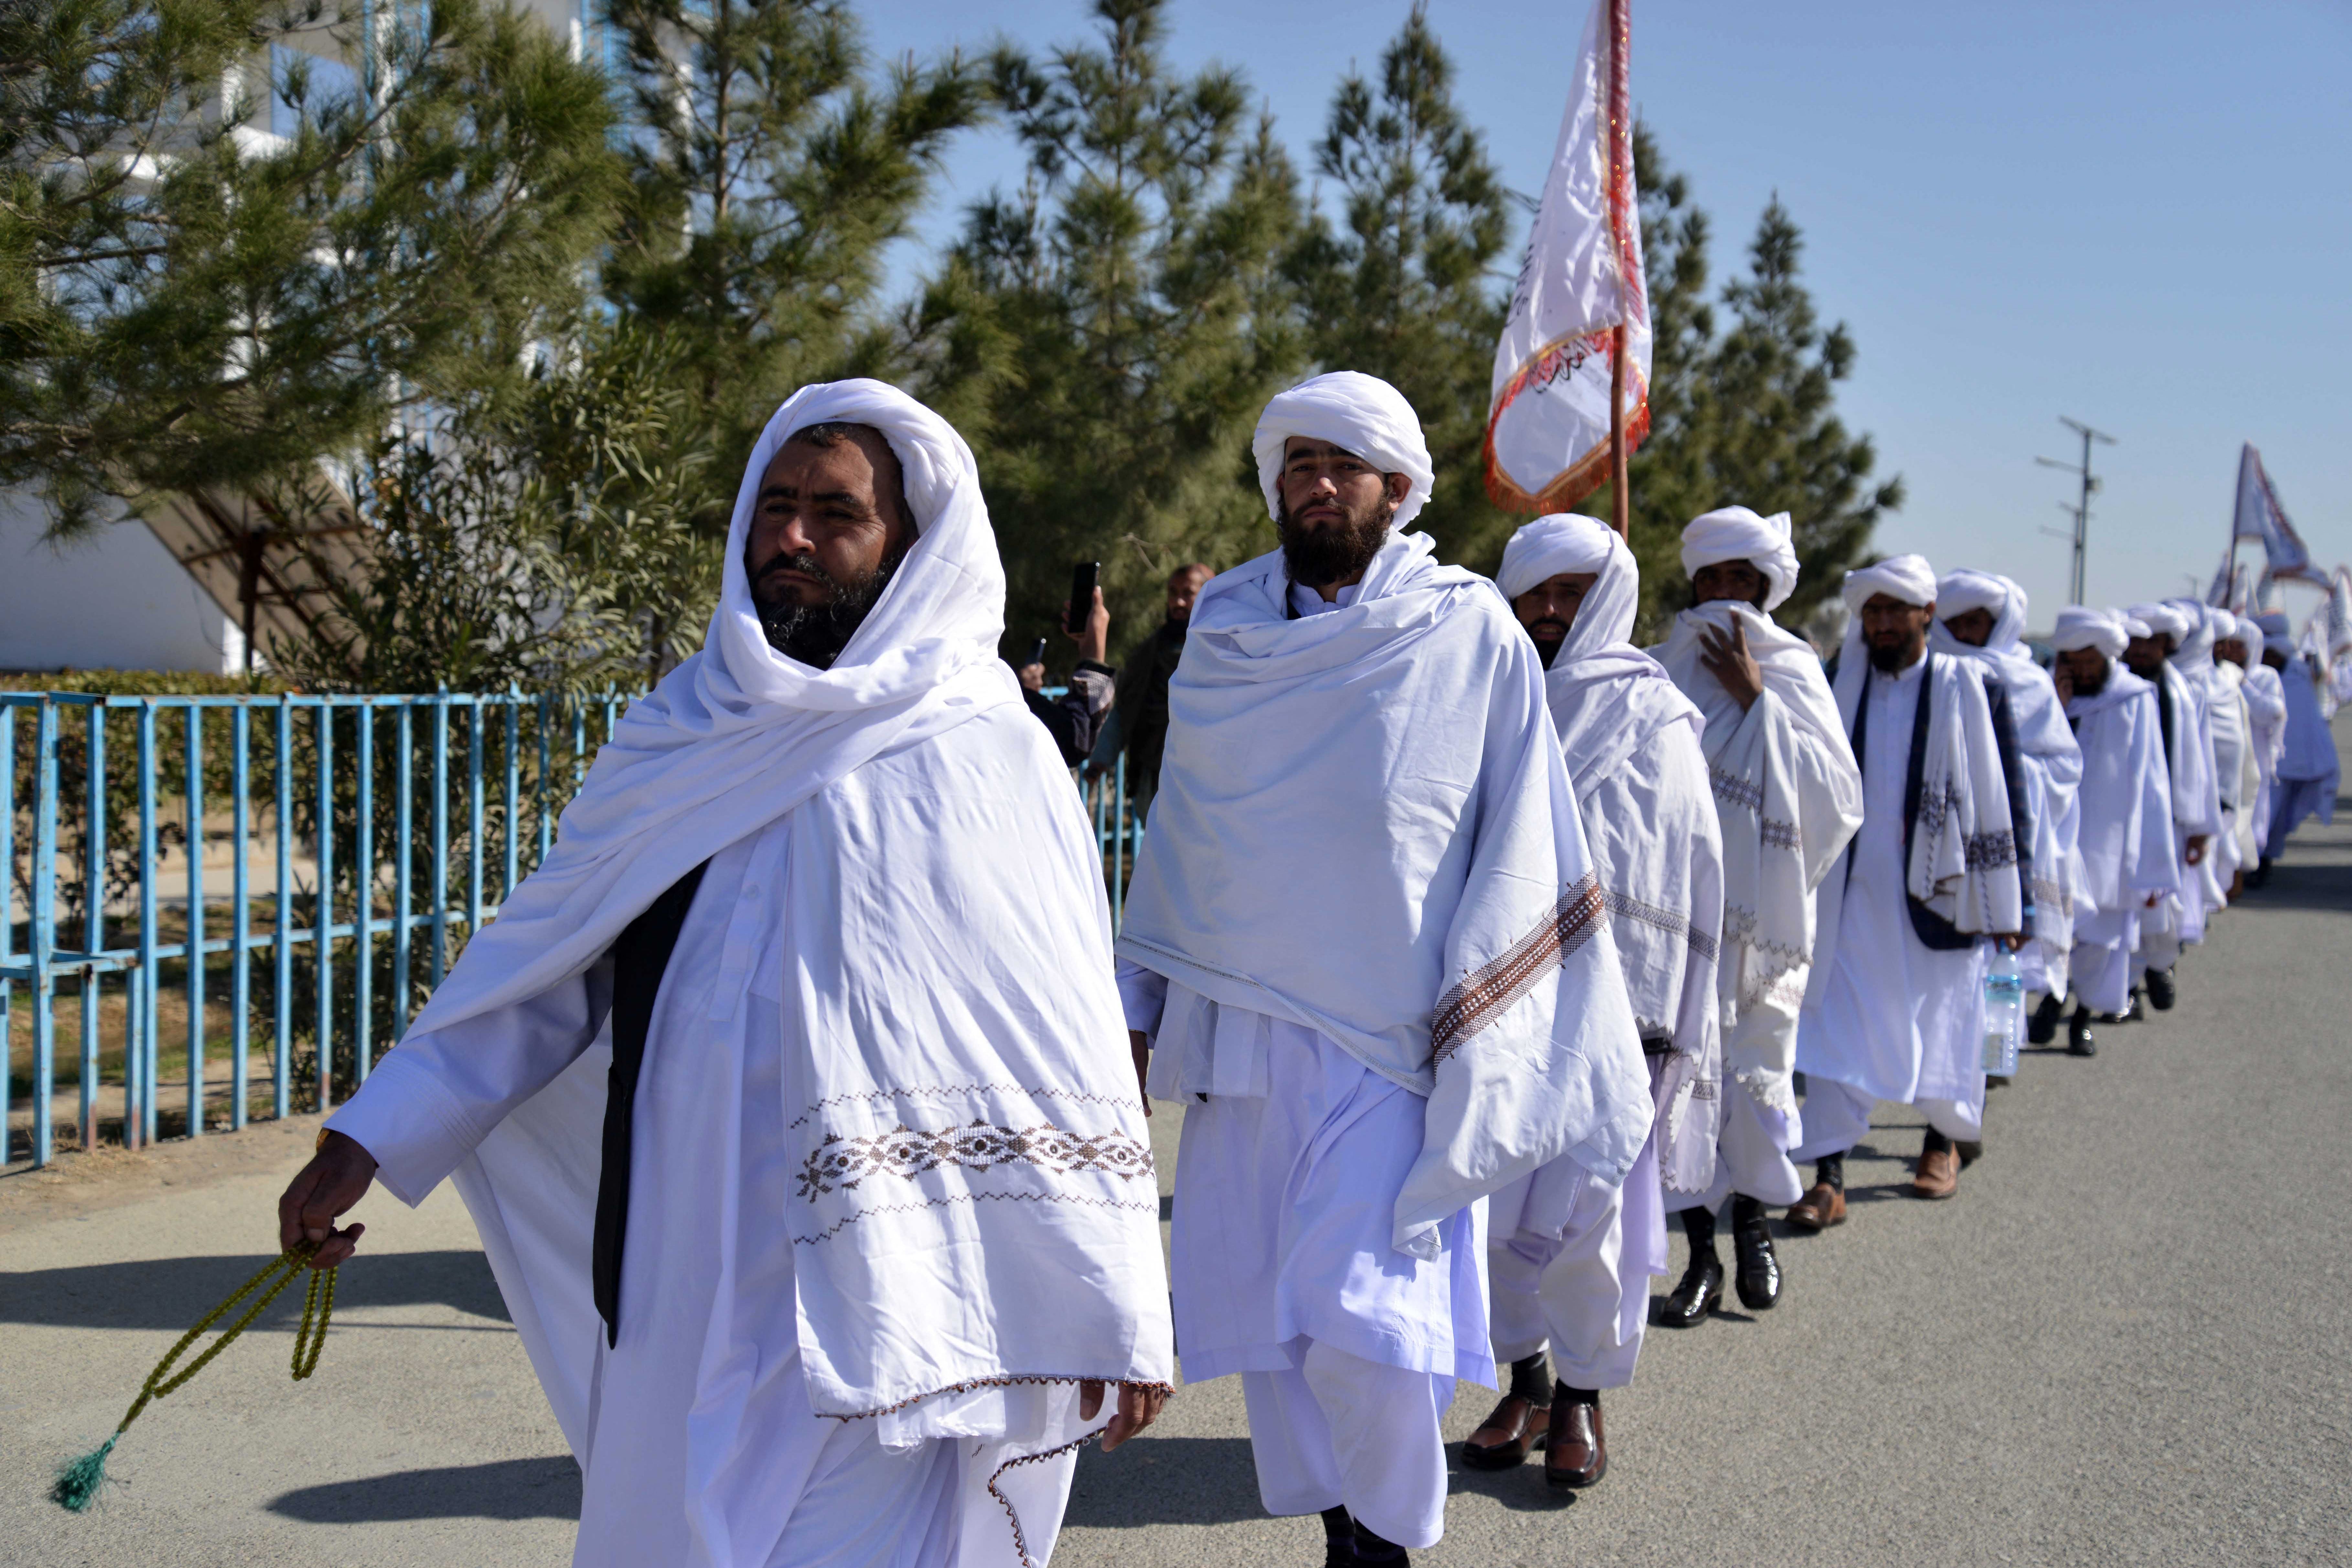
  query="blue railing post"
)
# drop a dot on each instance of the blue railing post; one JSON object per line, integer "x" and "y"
{"x": 93, "y": 941}
{"x": 140, "y": 1072}
{"x": 196, "y": 890}
{"x": 546, "y": 816}
{"x": 439, "y": 957}
{"x": 474, "y": 847}
{"x": 44, "y": 944}
{"x": 282, "y": 1050}
{"x": 364, "y": 901}
{"x": 322, "y": 945}
{"x": 240, "y": 986}
{"x": 513, "y": 707}
{"x": 8, "y": 927}
{"x": 402, "y": 798}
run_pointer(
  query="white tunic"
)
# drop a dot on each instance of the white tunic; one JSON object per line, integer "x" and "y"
{"x": 1893, "y": 1016}
{"x": 699, "y": 1446}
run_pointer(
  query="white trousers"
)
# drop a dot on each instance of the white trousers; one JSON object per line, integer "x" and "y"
{"x": 1586, "y": 1294}
{"x": 2102, "y": 975}
{"x": 1337, "y": 1429}
{"x": 1837, "y": 1117}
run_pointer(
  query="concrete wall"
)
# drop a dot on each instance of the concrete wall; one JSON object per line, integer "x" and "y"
{"x": 118, "y": 601}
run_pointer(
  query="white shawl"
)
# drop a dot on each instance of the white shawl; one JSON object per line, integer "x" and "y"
{"x": 2051, "y": 761}
{"x": 1631, "y": 741}
{"x": 1364, "y": 827}
{"x": 908, "y": 1286}
{"x": 1787, "y": 796}
{"x": 2196, "y": 793}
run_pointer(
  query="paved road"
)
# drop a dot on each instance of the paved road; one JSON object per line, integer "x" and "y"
{"x": 2126, "y": 1341}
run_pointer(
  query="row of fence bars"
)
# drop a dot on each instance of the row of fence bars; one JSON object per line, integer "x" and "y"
{"x": 524, "y": 756}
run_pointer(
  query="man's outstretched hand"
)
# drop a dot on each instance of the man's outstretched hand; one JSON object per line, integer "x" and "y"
{"x": 1138, "y": 1407}
{"x": 337, "y": 1177}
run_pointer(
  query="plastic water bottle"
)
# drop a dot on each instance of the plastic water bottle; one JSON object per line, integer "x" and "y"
{"x": 2004, "y": 1015}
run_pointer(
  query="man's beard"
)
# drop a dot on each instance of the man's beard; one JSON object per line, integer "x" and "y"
{"x": 2093, "y": 688}
{"x": 1889, "y": 658}
{"x": 815, "y": 634}
{"x": 1549, "y": 637}
{"x": 1319, "y": 557}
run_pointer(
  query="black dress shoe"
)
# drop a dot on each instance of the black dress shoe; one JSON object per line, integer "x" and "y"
{"x": 2078, "y": 1035}
{"x": 1700, "y": 1292}
{"x": 1759, "y": 1272}
{"x": 2160, "y": 992}
{"x": 2043, "y": 1027}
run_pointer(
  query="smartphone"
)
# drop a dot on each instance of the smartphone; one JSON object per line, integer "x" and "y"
{"x": 1083, "y": 578}
{"x": 1037, "y": 654}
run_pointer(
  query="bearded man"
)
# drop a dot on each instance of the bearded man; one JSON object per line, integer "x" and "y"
{"x": 1366, "y": 946}
{"x": 1896, "y": 1007}
{"x": 2235, "y": 763}
{"x": 2182, "y": 706}
{"x": 2265, "y": 697}
{"x": 1139, "y": 723}
{"x": 2129, "y": 868}
{"x": 2307, "y": 768}
{"x": 1981, "y": 616}
{"x": 1570, "y": 1263}
{"x": 1787, "y": 796}
{"x": 787, "y": 1095}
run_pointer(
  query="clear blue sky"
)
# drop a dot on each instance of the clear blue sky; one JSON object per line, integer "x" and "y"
{"x": 2137, "y": 214}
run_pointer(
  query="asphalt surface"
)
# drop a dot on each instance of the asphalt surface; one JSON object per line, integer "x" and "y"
{"x": 2128, "y": 1339}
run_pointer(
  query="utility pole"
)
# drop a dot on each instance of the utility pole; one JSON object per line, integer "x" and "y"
{"x": 2082, "y": 509}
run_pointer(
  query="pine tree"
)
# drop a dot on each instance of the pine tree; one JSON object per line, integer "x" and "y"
{"x": 1105, "y": 336}
{"x": 770, "y": 170}
{"x": 186, "y": 304}
{"x": 1405, "y": 289}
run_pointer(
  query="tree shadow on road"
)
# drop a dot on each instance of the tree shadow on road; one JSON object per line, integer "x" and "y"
{"x": 504, "y": 1488}
{"x": 173, "y": 1292}
{"x": 1165, "y": 1480}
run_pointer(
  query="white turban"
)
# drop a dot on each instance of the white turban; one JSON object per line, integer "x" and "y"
{"x": 2132, "y": 624}
{"x": 2162, "y": 620}
{"x": 1567, "y": 541}
{"x": 1905, "y": 578}
{"x": 1960, "y": 591}
{"x": 2273, "y": 624}
{"x": 2250, "y": 632}
{"x": 2080, "y": 628}
{"x": 1736, "y": 533}
{"x": 1357, "y": 413}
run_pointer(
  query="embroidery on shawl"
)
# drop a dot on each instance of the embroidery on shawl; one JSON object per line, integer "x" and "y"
{"x": 1672, "y": 921}
{"x": 1009, "y": 1380}
{"x": 1477, "y": 998}
{"x": 908, "y": 1152}
{"x": 2058, "y": 896}
{"x": 1730, "y": 786}
{"x": 1985, "y": 850}
{"x": 1141, "y": 1205}
{"x": 1778, "y": 971}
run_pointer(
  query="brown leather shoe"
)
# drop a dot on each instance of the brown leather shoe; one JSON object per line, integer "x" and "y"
{"x": 1822, "y": 1206}
{"x": 1577, "y": 1452}
{"x": 1509, "y": 1436}
{"x": 1938, "y": 1174}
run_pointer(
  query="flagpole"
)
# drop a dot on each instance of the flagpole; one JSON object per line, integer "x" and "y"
{"x": 1621, "y": 500}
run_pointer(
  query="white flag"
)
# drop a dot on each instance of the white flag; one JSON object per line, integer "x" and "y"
{"x": 1547, "y": 415}
{"x": 2260, "y": 516}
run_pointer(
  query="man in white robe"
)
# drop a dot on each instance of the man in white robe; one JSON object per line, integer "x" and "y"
{"x": 1896, "y": 1007}
{"x": 2182, "y": 706}
{"x": 1570, "y": 1265}
{"x": 2126, "y": 811}
{"x": 2308, "y": 766}
{"x": 2236, "y": 763}
{"x": 1365, "y": 946}
{"x": 2265, "y": 696}
{"x": 789, "y": 1095}
{"x": 1788, "y": 798}
{"x": 1981, "y": 615}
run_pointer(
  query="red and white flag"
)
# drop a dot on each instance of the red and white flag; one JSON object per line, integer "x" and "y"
{"x": 1547, "y": 415}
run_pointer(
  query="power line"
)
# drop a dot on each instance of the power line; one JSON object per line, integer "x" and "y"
{"x": 2082, "y": 509}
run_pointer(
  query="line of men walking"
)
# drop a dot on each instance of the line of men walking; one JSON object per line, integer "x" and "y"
{"x": 789, "y": 1096}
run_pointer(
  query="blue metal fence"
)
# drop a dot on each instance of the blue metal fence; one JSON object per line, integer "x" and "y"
{"x": 360, "y": 838}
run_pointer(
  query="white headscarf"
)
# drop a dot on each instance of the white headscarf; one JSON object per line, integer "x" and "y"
{"x": 2250, "y": 632}
{"x": 2164, "y": 619}
{"x": 2080, "y": 626}
{"x": 2273, "y": 624}
{"x": 737, "y": 738}
{"x": 1357, "y": 413}
{"x": 1586, "y": 684}
{"x": 1736, "y": 533}
{"x": 1907, "y": 578}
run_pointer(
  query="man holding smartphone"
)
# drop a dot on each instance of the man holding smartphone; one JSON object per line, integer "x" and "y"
{"x": 1076, "y": 718}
